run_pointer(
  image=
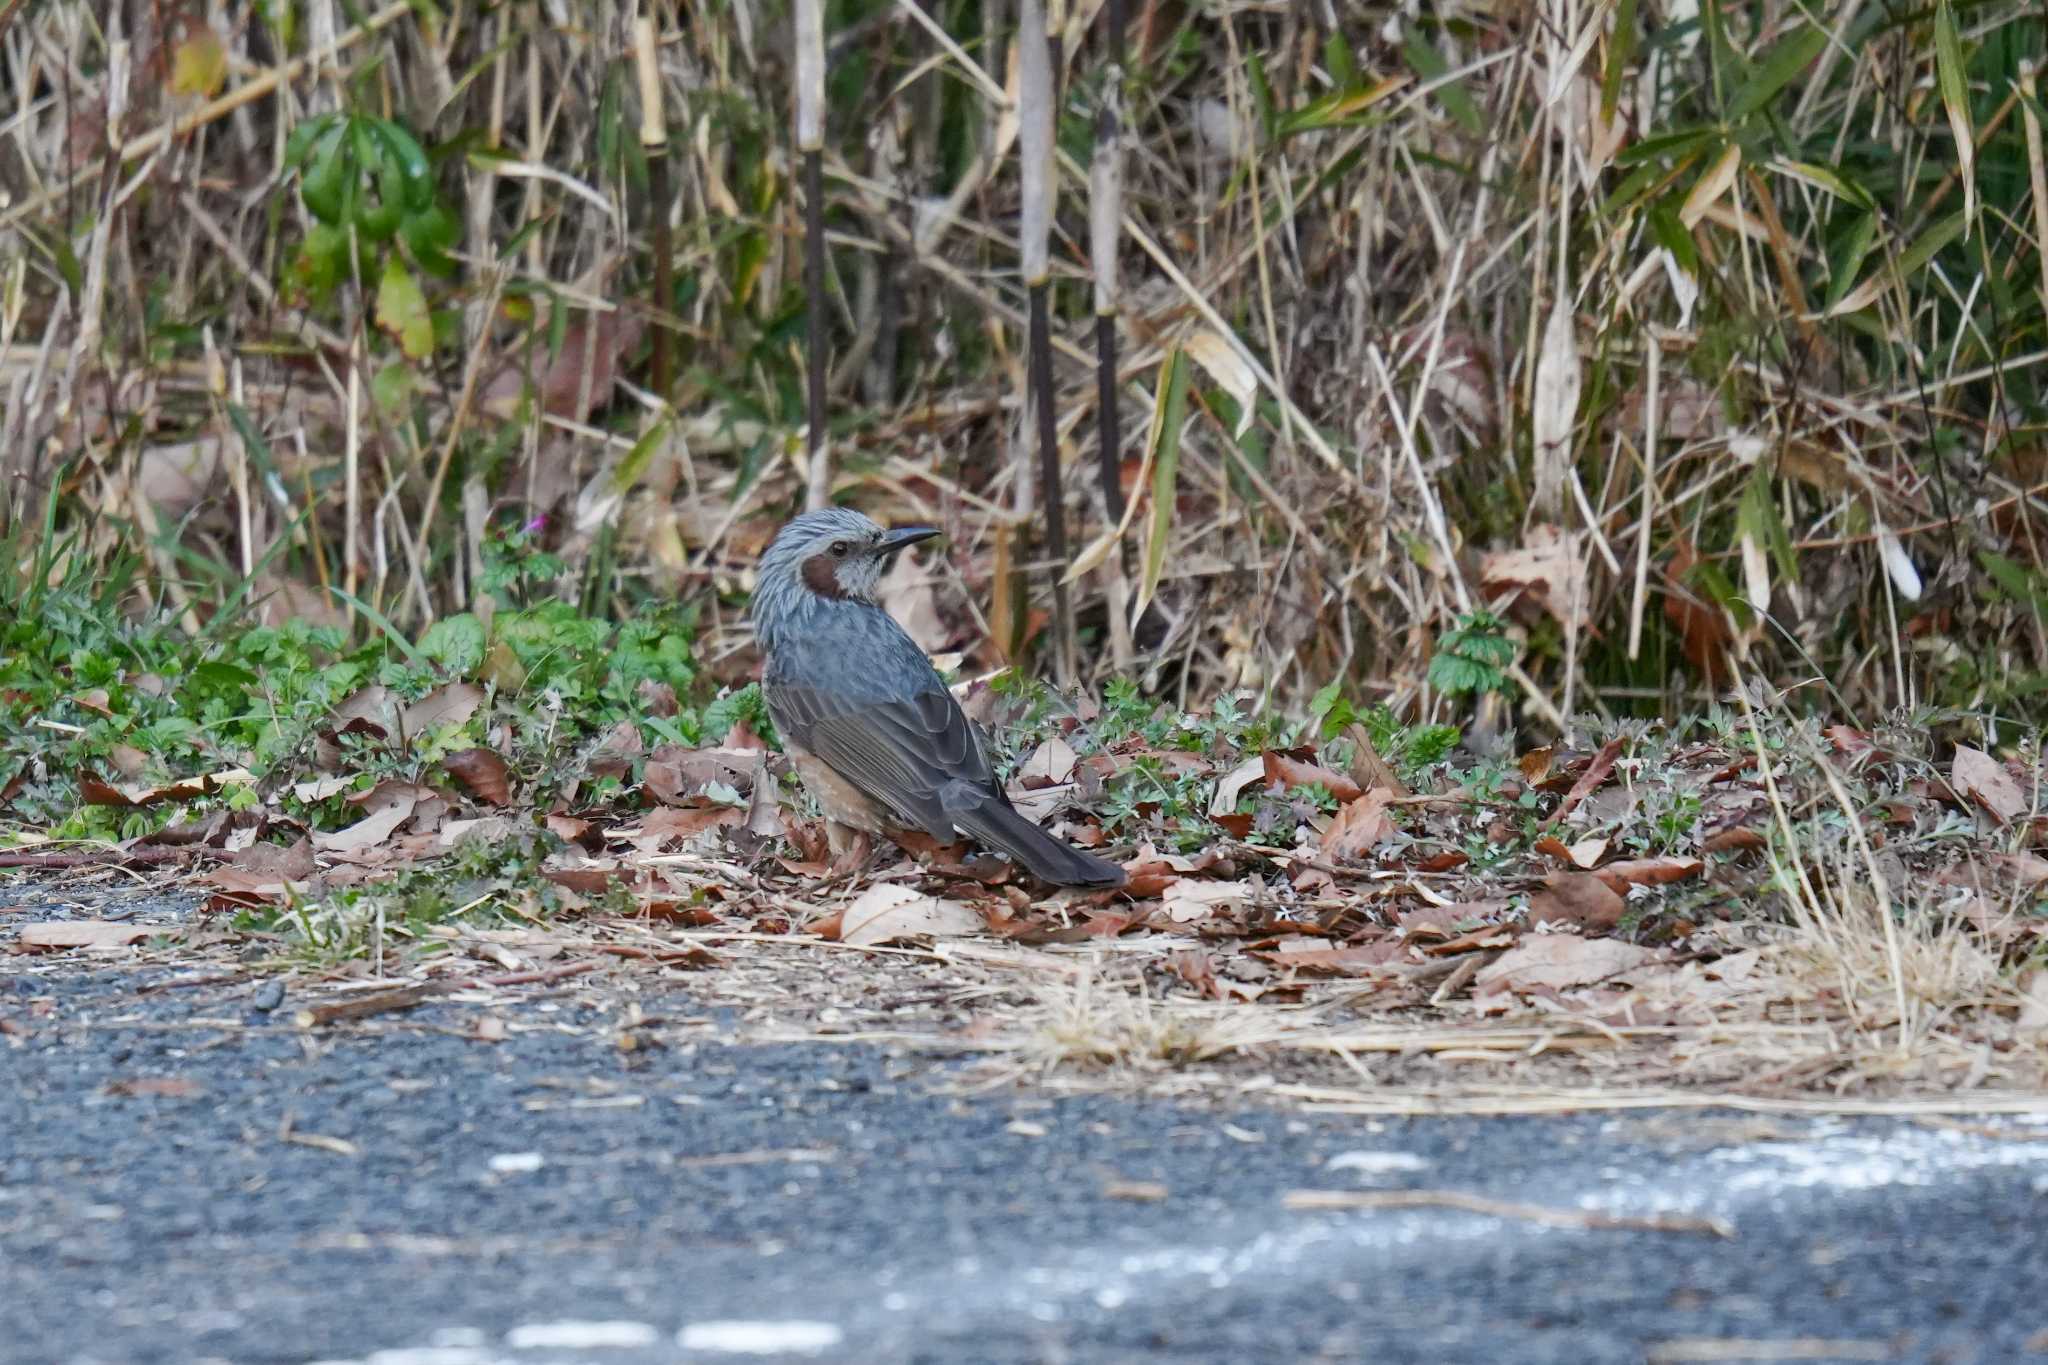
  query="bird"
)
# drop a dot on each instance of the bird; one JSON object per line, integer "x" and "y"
{"x": 871, "y": 728}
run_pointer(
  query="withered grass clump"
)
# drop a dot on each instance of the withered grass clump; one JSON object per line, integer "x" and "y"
{"x": 1681, "y": 333}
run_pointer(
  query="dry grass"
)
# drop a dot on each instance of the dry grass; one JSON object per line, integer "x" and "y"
{"x": 1496, "y": 292}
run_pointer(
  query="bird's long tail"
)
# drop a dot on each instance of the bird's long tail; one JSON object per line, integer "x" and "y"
{"x": 1045, "y": 857}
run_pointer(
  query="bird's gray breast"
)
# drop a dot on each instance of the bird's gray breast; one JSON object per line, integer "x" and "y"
{"x": 854, "y": 649}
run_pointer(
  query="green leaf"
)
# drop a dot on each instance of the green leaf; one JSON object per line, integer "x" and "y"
{"x": 633, "y": 468}
{"x": 1846, "y": 257}
{"x": 1262, "y": 93}
{"x": 1338, "y": 109}
{"x": 1790, "y": 57}
{"x": 391, "y": 388}
{"x": 327, "y": 175}
{"x": 219, "y": 676}
{"x": 1672, "y": 236}
{"x": 376, "y": 219}
{"x": 402, "y": 310}
{"x": 455, "y": 642}
{"x": 1667, "y": 145}
{"x": 428, "y": 236}
{"x": 1430, "y": 65}
{"x": 322, "y": 262}
{"x": 383, "y": 624}
{"x": 746, "y": 704}
{"x": 1455, "y": 676}
{"x": 410, "y": 158}
{"x": 1620, "y": 53}
{"x": 2015, "y": 580}
{"x": 199, "y": 66}
{"x": 299, "y": 146}
{"x": 1931, "y": 241}
{"x": 1757, "y": 517}
{"x": 1473, "y": 656}
{"x": 1339, "y": 62}
{"x": 1332, "y": 709}
{"x": 1826, "y": 178}
{"x": 1955, "y": 99}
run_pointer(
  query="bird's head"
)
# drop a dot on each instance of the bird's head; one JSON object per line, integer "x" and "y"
{"x": 832, "y": 555}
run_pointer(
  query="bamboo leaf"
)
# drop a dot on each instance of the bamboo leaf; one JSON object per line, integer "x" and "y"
{"x": 1955, "y": 100}
{"x": 1711, "y": 186}
{"x": 1909, "y": 264}
{"x": 1847, "y": 258}
{"x": 1336, "y": 109}
{"x": 1776, "y": 71}
{"x": 1452, "y": 95}
{"x": 1169, "y": 412}
{"x": 1825, "y": 178}
{"x": 1209, "y": 350}
{"x": 1620, "y": 53}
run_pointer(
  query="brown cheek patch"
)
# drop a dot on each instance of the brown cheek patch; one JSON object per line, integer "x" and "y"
{"x": 821, "y": 576}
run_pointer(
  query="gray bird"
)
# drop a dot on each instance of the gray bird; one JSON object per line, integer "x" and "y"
{"x": 878, "y": 740}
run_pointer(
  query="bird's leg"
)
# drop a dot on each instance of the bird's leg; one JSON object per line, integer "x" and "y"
{"x": 852, "y": 849}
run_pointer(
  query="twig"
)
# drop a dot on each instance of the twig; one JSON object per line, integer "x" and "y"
{"x": 1337, "y": 1200}
{"x": 109, "y": 857}
{"x": 531, "y": 978}
{"x": 364, "y": 1006}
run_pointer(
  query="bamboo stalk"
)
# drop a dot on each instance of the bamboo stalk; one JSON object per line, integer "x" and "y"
{"x": 810, "y": 141}
{"x": 1105, "y": 215}
{"x": 1105, "y": 209}
{"x": 654, "y": 138}
{"x": 1035, "y": 148}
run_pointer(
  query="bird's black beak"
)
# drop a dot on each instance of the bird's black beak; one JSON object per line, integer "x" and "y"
{"x": 904, "y": 537}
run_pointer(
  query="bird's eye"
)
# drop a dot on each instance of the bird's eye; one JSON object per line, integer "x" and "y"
{"x": 839, "y": 549}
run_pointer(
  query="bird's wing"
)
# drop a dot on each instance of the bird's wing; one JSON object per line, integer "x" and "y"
{"x": 902, "y": 753}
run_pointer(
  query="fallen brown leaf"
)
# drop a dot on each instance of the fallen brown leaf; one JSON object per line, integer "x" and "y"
{"x": 1738, "y": 838}
{"x": 1649, "y": 871}
{"x": 1582, "y": 900}
{"x": 1283, "y": 767}
{"x": 1558, "y": 961}
{"x": 1135, "y": 1191}
{"x": 1550, "y": 568}
{"x": 1360, "y": 827}
{"x": 1987, "y": 781}
{"x": 449, "y": 704}
{"x": 1589, "y": 781}
{"x": 1232, "y": 784}
{"x": 672, "y": 824}
{"x": 52, "y": 935}
{"x": 484, "y": 772}
{"x": 388, "y": 805}
{"x": 674, "y": 773}
{"x": 1191, "y": 899}
{"x": 887, "y": 911}
{"x": 100, "y": 793}
{"x": 1584, "y": 854}
{"x": 1360, "y": 959}
{"x": 1368, "y": 769}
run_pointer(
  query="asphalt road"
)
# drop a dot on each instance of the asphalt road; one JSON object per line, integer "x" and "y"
{"x": 185, "y": 1176}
